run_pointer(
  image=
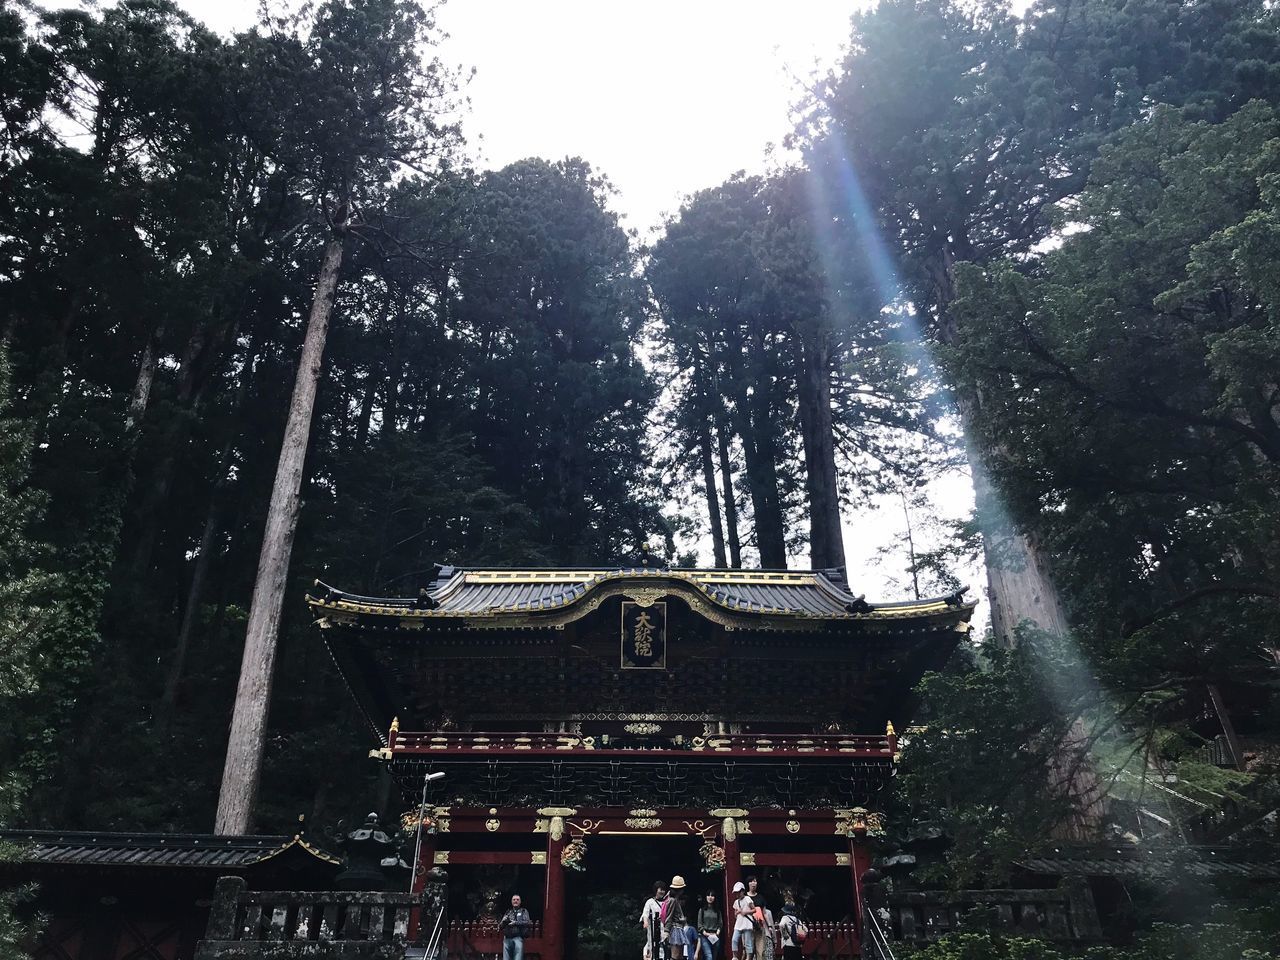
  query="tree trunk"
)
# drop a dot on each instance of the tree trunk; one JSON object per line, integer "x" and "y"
{"x": 911, "y": 548}
{"x": 242, "y": 770}
{"x": 141, "y": 395}
{"x": 726, "y": 481}
{"x": 394, "y": 371}
{"x": 202, "y": 346}
{"x": 1018, "y": 583}
{"x": 813, "y": 379}
{"x": 709, "y": 484}
{"x": 195, "y": 596}
{"x": 762, "y": 459}
{"x": 204, "y": 559}
{"x": 366, "y": 410}
{"x": 762, "y": 485}
{"x": 1019, "y": 586}
{"x": 751, "y": 417}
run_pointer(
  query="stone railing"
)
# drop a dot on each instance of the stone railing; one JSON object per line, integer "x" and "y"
{"x": 1065, "y": 914}
{"x": 283, "y": 924}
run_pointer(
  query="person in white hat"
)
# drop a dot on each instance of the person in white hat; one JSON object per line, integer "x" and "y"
{"x": 743, "y": 944}
{"x": 673, "y": 918}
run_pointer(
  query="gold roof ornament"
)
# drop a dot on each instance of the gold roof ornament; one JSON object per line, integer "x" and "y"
{"x": 889, "y": 731}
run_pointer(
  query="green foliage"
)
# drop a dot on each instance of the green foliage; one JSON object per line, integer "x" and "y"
{"x": 985, "y": 946}
{"x": 756, "y": 306}
{"x": 980, "y": 768}
{"x": 17, "y": 926}
{"x": 609, "y": 928}
{"x": 156, "y": 271}
{"x": 963, "y": 124}
{"x": 1148, "y": 340}
{"x": 1211, "y": 941}
{"x": 46, "y": 634}
{"x": 1096, "y": 271}
{"x": 38, "y": 622}
{"x": 551, "y": 306}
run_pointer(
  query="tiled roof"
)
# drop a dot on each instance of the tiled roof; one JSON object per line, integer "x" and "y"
{"x": 89, "y": 848}
{"x": 1256, "y": 861}
{"x": 469, "y": 594}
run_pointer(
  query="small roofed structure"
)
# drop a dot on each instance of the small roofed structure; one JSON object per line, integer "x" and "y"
{"x": 106, "y": 850}
{"x": 146, "y": 894}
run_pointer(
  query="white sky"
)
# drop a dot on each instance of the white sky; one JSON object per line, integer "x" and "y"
{"x": 665, "y": 97}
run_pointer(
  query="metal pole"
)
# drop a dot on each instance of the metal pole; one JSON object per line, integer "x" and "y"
{"x": 422, "y": 813}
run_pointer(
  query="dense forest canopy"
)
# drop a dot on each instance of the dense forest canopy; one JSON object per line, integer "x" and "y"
{"x": 1040, "y": 245}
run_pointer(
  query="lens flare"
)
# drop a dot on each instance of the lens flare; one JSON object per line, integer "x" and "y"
{"x": 1102, "y": 756}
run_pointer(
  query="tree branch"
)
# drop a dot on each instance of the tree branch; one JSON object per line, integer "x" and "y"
{"x": 1131, "y": 627}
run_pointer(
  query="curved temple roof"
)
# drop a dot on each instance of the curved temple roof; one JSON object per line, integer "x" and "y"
{"x": 86, "y": 848}
{"x": 558, "y": 594}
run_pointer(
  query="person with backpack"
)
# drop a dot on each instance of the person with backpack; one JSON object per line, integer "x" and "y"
{"x": 793, "y": 932}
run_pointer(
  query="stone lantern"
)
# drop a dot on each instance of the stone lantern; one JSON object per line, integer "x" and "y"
{"x": 372, "y": 859}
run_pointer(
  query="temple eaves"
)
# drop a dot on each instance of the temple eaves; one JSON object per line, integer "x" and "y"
{"x": 551, "y": 597}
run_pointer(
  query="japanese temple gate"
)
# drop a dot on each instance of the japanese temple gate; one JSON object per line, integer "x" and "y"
{"x": 749, "y": 714}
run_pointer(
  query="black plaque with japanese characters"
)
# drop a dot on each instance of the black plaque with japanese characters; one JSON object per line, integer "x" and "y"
{"x": 644, "y": 636}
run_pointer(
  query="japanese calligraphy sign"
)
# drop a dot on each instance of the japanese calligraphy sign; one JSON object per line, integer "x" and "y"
{"x": 644, "y": 636}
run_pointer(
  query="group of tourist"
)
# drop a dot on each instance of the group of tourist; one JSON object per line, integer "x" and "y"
{"x": 675, "y": 930}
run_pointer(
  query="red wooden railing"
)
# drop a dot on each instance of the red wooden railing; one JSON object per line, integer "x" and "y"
{"x": 739, "y": 744}
{"x": 480, "y": 939}
{"x": 829, "y": 940}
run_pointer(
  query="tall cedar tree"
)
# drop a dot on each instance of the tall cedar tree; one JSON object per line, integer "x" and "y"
{"x": 1151, "y": 342}
{"x": 776, "y": 340}
{"x": 359, "y": 100}
{"x": 551, "y": 307}
{"x": 958, "y": 128}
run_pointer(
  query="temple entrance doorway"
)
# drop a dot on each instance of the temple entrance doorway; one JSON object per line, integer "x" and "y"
{"x": 603, "y": 902}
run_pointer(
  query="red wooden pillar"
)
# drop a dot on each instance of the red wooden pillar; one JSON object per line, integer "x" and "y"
{"x": 553, "y": 907}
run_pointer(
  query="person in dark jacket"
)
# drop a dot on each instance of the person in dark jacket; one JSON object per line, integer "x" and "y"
{"x": 515, "y": 925}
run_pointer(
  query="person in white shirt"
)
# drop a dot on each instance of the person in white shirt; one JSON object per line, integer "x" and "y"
{"x": 651, "y": 921}
{"x": 792, "y": 932}
{"x": 743, "y": 945}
